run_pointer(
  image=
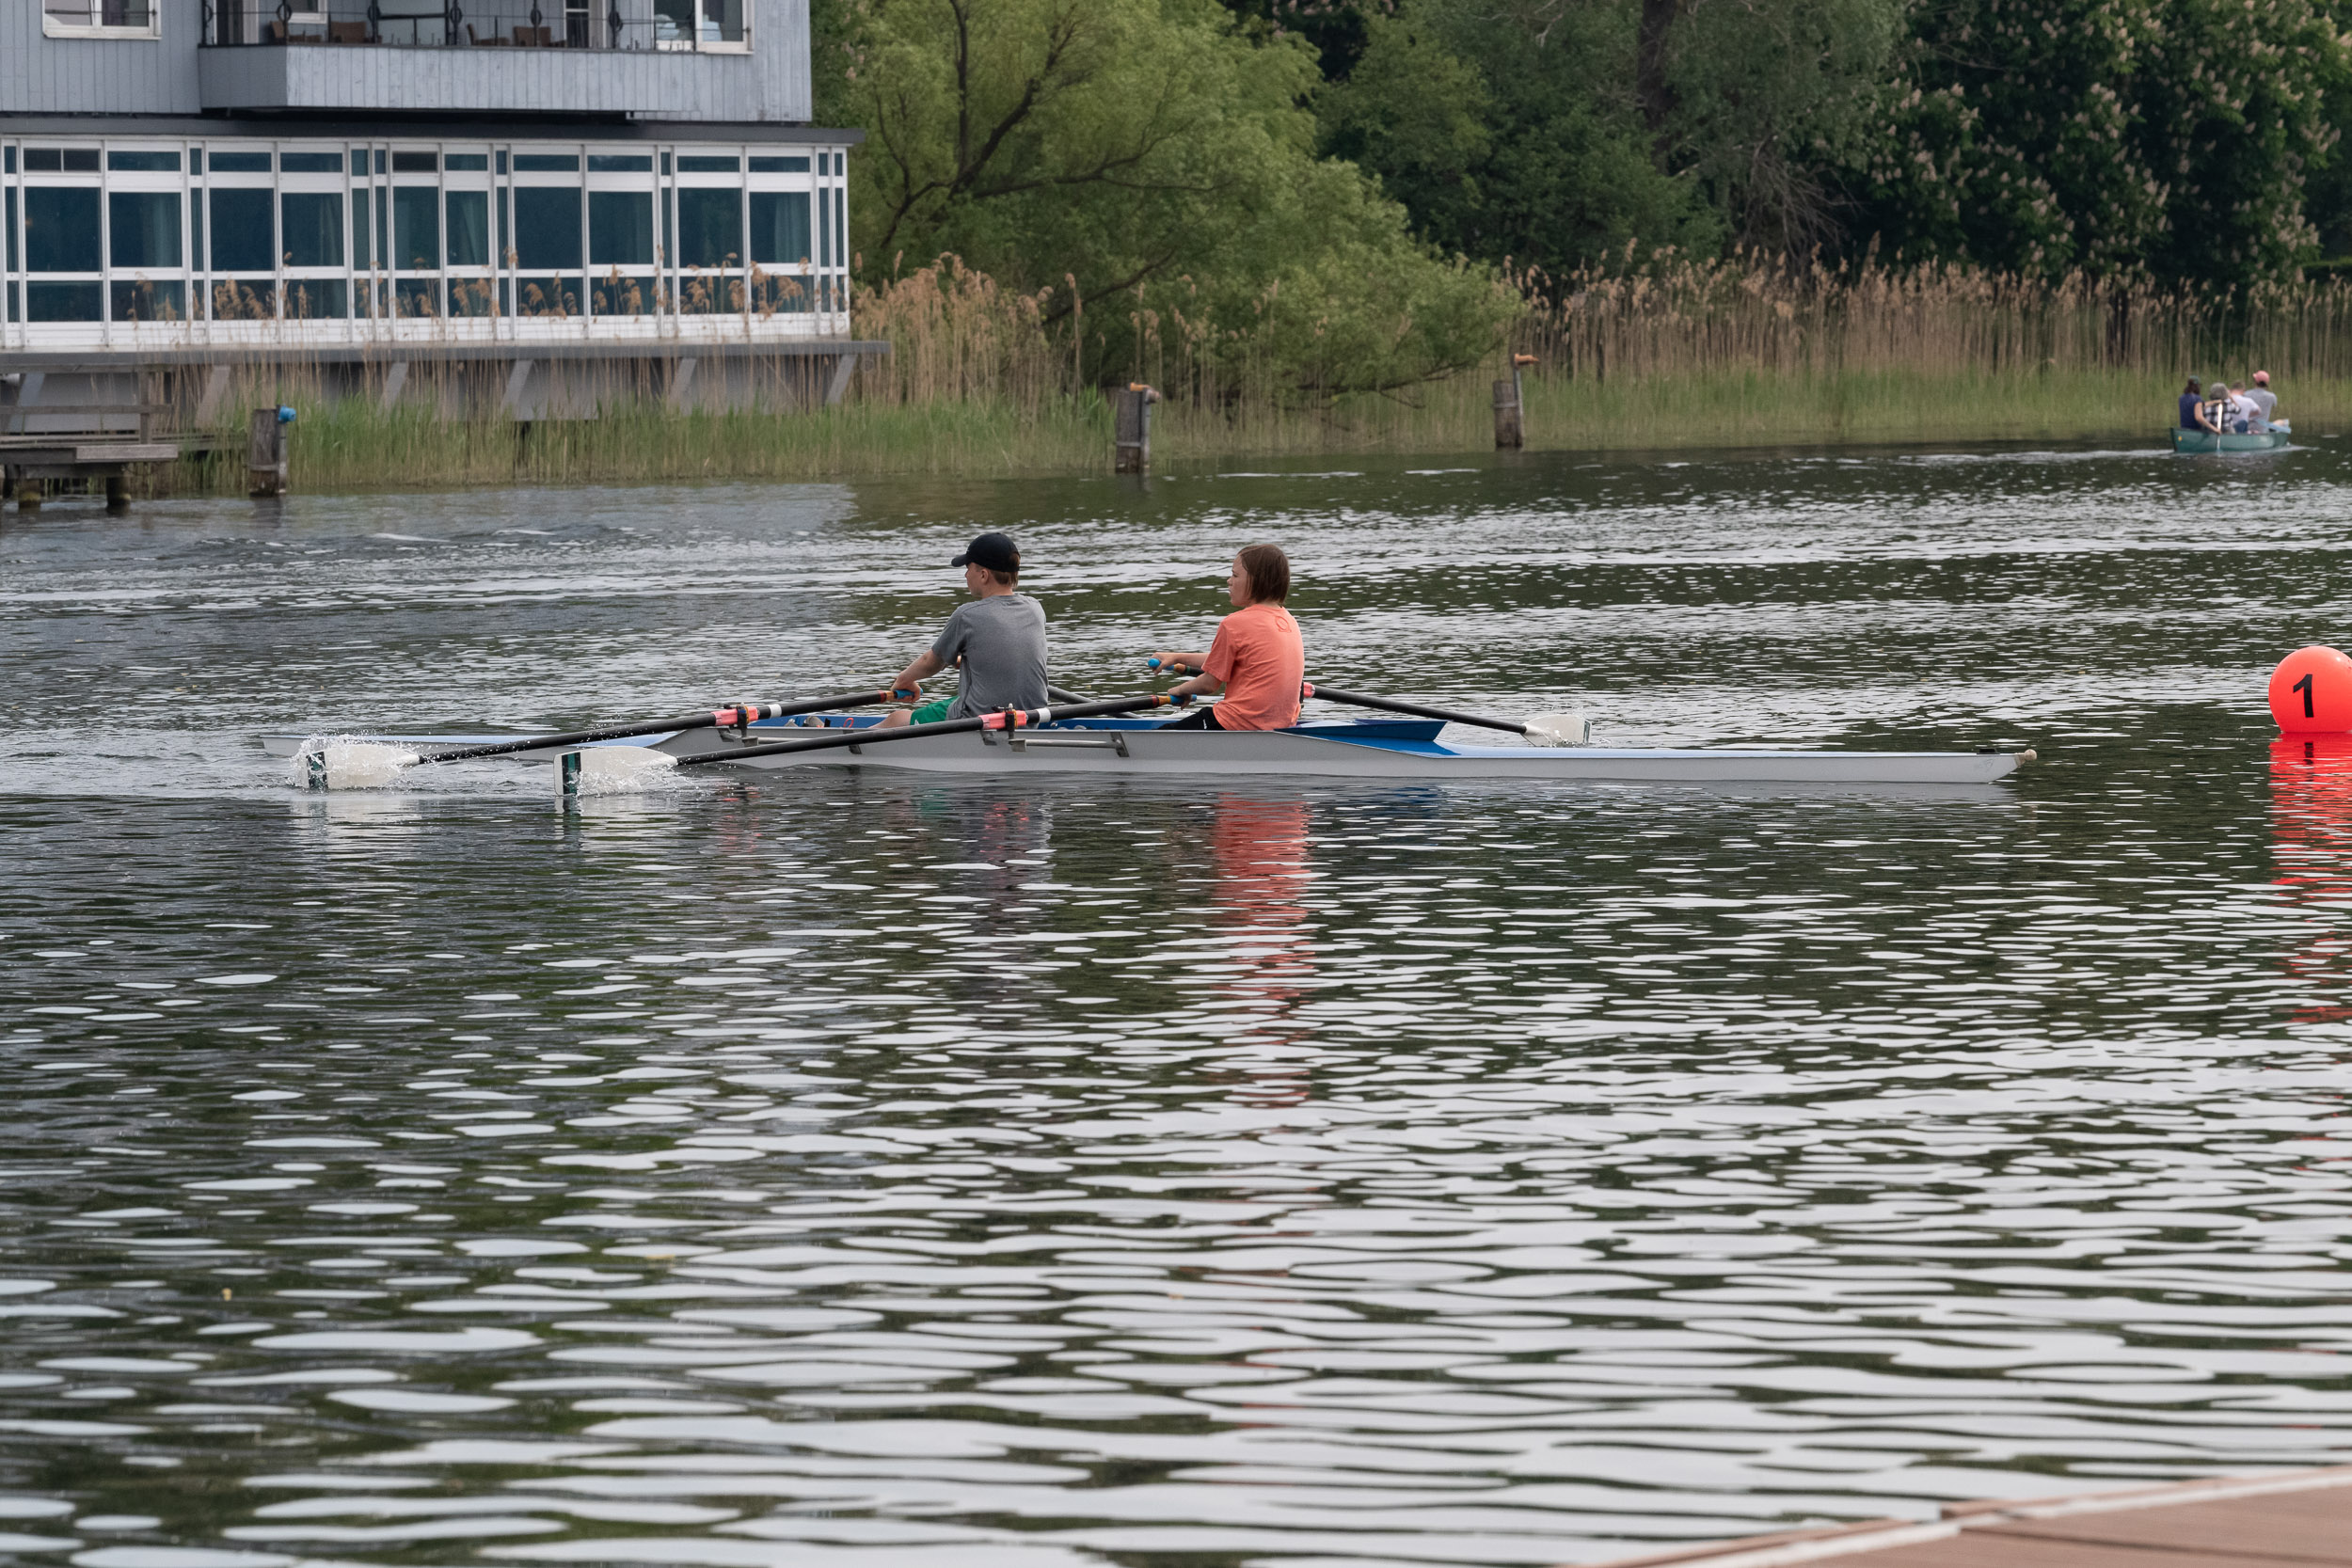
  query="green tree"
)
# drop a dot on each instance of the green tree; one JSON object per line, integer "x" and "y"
{"x": 1560, "y": 133}
{"x": 1511, "y": 130}
{"x": 1766, "y": 103}
{"x": 2171, "y": 139}
{"x": 1147, "y": 156}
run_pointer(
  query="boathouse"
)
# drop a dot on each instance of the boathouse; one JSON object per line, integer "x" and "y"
{"x": 528, "y": 205}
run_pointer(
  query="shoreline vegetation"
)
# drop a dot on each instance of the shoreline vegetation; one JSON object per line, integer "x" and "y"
{"x": 982, "y": 381}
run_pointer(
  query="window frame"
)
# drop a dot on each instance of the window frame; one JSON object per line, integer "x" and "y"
{"x": 151, "y": 33}
{"x": 695, "y": 45}
{"x": 304, "y": 280}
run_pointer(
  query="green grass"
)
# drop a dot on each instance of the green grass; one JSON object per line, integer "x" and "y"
{"x": 353, "y": 446}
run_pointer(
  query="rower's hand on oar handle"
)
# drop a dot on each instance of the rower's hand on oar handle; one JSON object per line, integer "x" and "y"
{"x": 1174, "y": 664}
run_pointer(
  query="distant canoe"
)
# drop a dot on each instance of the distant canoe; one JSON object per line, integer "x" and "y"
{"x": 2206, "y": 441}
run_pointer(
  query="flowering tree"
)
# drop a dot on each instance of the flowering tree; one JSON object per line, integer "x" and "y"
{"x": 2169, "y": 140}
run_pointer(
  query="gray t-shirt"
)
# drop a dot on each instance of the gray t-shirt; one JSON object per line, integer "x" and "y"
{"x": 1002, "y": 642}
{"x": 2264, "y": 399}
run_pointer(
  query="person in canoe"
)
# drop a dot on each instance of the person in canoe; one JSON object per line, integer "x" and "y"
{"x": 2193, "y": 414}
{"x": 2221, "y": 406}
{"x": 1000, "y": 639}
{"x": 1257, "y": 660}
{"x": 2265, "y": 401}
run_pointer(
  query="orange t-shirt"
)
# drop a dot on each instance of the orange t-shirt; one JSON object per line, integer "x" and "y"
{"x": 1259, "y": 656}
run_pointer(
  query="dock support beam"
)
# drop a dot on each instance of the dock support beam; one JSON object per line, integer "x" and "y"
{"x": 1133, "y": 452}
{"x": 118, "y": 493}
{"x": 842, "y": 369}
{"x": 395, "y": 381}
{"x": 216, "y": 393}
{"x": 682, "y": 383}
{"x": 512, "y": 403}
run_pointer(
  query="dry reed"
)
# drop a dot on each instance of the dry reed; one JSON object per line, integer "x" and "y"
{"x": 987, "y": 380}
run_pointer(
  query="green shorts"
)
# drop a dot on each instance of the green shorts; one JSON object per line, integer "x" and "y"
{"x": 931, "y": 713}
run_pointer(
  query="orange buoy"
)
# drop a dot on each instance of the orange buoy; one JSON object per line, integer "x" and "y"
{"x": 2311, "y": 692}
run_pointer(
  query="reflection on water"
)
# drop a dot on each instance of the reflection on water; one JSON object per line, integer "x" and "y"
{"x": 872, "y": 1173}
{"x": 2311, "y": 814}
{"x": 1264, "y": 948}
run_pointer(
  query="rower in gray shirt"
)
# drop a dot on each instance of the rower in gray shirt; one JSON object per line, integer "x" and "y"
{"x": 999, "y": 637}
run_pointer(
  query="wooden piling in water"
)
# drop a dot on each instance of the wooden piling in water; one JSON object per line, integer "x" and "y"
{"x": 1508, "y": 432}
{"x": 265, "y": 454}
{"x": 1132, "y": 453}
{"x": 1511, "y": 406}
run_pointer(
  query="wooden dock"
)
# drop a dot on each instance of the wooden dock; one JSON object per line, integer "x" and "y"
{"x": 102, "y": 449}
{"x": 2293, "y": 1519}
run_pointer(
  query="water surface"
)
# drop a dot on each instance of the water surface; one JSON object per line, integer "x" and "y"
{"x": 857, "y": 1172}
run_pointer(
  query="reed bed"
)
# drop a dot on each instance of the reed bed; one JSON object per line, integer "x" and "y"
{"x": 985, "y": 380}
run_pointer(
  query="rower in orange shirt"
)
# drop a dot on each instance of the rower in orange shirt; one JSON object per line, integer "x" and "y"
{"x": 1257, "y": 660}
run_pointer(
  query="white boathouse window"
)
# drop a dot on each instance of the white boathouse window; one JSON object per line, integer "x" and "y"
{"x": 105, "y": 19}
{"x": 700, "y": 24}
{"x": 145, "y": 235}
{"x": 296, "y": 240}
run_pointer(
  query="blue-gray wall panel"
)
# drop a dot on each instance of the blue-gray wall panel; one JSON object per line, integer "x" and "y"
{"x": 74, "y": 76}
{"x": 64, "y": 77}
{"x": 648, "y": 85}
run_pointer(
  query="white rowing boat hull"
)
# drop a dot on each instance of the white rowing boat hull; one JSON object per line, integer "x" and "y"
{"x": 1367, "y": 750}
{"x": 1278, "y": 753}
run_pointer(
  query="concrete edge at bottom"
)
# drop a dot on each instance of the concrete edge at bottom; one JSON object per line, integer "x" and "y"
{"x": 2211, "y": 1489}
{"x": 1814, "y": 1545}
{"x": 1795, "y": 1546}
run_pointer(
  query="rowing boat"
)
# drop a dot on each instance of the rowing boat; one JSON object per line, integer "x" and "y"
{"x": 1360, "y": 749}
{"x": 2206, "y": 441}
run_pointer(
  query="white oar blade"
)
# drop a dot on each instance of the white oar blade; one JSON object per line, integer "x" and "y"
{"x": 614, "y": 770}
{"x": 1560, "y": 729}
{"x": 348, "y": 765}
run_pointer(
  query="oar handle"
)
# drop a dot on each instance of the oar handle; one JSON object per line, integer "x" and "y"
{"x": 1389, "y": 705}
{"x": 739, "y": 716}
{"x": 1179, "y": 666}
{"x": 1010, "y": 719}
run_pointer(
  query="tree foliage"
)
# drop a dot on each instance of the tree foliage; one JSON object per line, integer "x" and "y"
{"x": 1504, "y": 135}
{"x": 1133, "y": 159}
{"x": 2171, "y": 139}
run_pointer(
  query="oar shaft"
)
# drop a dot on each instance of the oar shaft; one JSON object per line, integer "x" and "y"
{"x": 744, "y": 713}
{"x": 877, "y": 736}
{"x": 1389, "y": 705}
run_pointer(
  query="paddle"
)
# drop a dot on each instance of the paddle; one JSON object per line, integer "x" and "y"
{"x": 357, "y": 764}
{"x": 1545, "y": 729}
{"x": 632, "y": 765}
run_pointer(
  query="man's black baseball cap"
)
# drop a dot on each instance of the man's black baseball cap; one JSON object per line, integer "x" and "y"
{"x": 996, "y": 551}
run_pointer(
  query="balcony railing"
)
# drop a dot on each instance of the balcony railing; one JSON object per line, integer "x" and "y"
{"x": 598, "y": 24}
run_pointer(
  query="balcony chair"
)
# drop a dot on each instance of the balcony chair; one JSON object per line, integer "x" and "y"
{"x": 535, "y": 38}
{"x": 346, "y": 32}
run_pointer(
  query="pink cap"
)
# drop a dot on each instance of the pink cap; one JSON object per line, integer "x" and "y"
{"x": 2261, "y": 379}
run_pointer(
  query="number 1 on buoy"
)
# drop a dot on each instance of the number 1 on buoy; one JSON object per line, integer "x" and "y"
{"x": 2322, "y": 678}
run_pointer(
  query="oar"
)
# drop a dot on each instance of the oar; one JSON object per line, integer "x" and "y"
{"x": 1545, "y": 729}
{"x": 634, "y": 765}
{"x": 356, "y": 764}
